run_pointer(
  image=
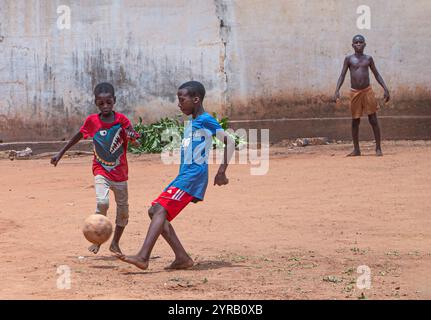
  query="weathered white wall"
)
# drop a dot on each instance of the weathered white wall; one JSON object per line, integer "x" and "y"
{"x": 145, "y": 48}
{"x": 257, "y": 58}
{"x": 285, "y": 57}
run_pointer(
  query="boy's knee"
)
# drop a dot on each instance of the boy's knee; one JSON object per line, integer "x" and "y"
{"x": 102, "y": 206}
{"x": 155, "y": 210}
{"x": 373, "y": 120}
{"x": 151, "y": 212}
{"x": 356, "y": 122}
{"x": 124, "y": 208}
{"x": 122, "y": 218}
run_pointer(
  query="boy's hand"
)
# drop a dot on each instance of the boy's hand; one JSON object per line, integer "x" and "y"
{"x": 131, "y": 133}
{"x": 221, "y": 179}
{"x": 386, "y": 96}
{"x": 55, "y": 159}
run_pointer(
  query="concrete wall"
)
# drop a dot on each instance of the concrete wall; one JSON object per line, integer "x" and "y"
{"x": 259, "y": 59}
{"x": 145, "y": 48}
{"x": 285, "y": 56}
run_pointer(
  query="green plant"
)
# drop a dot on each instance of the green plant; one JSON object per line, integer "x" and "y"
{"x": 168, "y": 133}
{"x": 151, "y": 135}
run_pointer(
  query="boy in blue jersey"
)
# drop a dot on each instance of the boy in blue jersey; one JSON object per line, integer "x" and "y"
{"x": 191, "y": 183}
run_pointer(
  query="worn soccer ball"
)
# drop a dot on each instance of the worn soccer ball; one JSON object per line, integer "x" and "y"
{"x": 97, "y": 229}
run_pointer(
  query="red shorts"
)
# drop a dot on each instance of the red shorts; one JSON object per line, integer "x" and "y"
{"x": 173, "y": 200}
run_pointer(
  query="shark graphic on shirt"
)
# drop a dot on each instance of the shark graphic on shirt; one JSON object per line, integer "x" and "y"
{"x": 108, "y": 147}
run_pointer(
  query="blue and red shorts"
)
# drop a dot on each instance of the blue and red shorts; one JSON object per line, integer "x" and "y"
{"x": 173, "y": 200}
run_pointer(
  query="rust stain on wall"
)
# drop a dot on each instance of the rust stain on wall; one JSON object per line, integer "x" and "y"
{"x": 404, "y": 101}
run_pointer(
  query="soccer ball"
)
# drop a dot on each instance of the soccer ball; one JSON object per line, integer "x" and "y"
{"x": 97, "y": 228}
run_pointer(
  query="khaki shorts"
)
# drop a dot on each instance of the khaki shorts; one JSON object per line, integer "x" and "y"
{"x": 102, "y": 185}
{"x": 362, "y": 102}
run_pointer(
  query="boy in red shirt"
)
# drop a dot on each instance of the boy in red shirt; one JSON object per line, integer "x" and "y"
{"x": 110, "y": 131}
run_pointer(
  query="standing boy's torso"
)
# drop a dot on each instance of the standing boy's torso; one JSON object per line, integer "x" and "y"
{"x": 359, "y": 74}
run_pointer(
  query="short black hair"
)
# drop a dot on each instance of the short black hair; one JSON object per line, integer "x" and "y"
{"x": 358, "y": 36}
{"x": 194, "y": 89}
{"x": 104, "y": 87}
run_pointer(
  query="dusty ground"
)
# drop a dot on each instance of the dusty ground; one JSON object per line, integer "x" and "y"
{"x": 299, "y": 232}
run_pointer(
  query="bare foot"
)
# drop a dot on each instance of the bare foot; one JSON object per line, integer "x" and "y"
{"x": 379, "y": 153}
{"x": 94, "y": 248}
{"x": 135, "y": 260}
{"x": 181, "y": 264}
{"x": 354, "y": 153}
{"x": 115, "y": 248}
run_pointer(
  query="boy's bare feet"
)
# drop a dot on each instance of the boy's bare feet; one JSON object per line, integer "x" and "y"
{"x": 354, "y": 153}
{"x": 94, "y": 248}
{"x": 181, "y": 264}
{"x": 135, "y": 260}
{"x": 115, "y": 248}
{"x": 379, "y": 153}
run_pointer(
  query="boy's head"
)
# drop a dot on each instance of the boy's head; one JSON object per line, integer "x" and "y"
{"x": 104, "y": 97}
{"x": 358, "y": 43}
{"x": 190, "y": 96}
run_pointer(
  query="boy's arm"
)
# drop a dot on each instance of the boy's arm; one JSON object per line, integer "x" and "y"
{"x": 55, "y": 159}
{"x": 341, "y": 78}
{"x": 379, "y": 79}
{"x": 229, "y": 148}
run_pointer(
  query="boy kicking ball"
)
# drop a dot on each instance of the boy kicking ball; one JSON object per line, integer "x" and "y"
{"x": 190, "y": 184}
{"x": 111, "y": 132}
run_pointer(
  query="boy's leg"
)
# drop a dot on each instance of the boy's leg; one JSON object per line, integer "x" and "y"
{"x": 173, "y": 200}
{"x": 182, "y": 259}
{"x": 141, "y": 260}
{"x": 355, "y": 136}
{"x": 122, "y": 199}
{"x": 101, "y": 186}
{"x": 372, "y": 118}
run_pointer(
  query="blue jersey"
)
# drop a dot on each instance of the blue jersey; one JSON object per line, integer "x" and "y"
{"x": 195, "y": 147}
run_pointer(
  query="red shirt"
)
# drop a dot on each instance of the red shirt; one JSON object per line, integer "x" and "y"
{"x": 110, "y": 145}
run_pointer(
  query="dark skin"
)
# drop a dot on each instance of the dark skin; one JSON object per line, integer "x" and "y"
{"x": 105, "y": 102}
{"x": 359, "y": 64}
{"x": 159, "y": 225}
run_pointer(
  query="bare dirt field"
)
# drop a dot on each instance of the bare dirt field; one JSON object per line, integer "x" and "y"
{"x": 299, "y": 232}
